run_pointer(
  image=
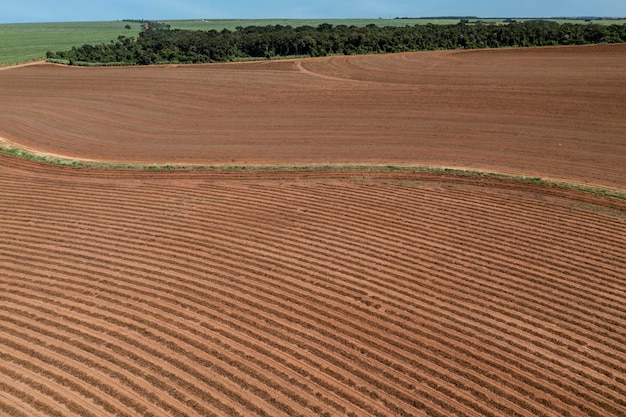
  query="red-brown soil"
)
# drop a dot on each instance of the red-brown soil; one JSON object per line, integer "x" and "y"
{"x": 308, "y": 293}
{"x": 558, "y": 112}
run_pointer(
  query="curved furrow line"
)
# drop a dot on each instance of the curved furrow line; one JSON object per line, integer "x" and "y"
{"x": 124, "y": 371}
{"x": 368, "y": 247}
{"x": 300, "y": 401}
{"x": 187, "y": 368}
{"x": 612, "y": 364}
{"x": 432, "y": 240}
{"x": 436, "y": 201}
{"x": 212, "y": 367}
{"x": 378, "y": 337}
{"x": 258, "y": 368}
{"x": 430, "y": 393}
{"x": 570, "y": 218}
{"x": 509, "y": 350}
{"x": 62, "y": 335}
{"x": 34, "y": 371}
{"x": 394, "y": 209}
{"x": 370, "y": 410}
{"x": 176, "y": 302}
{"x": 251, "y": 174}
{"x": 433, "y": 295}
{"x": 91, "y": 392}
{"x": 444, "y": 201}
{"x": 453, "y": 314}
{"x": 481, "y": 281}
{"x": 290, "y": 332}
{"x": 569, "y": 330}
{"x": 496, "y": 199}
{"x": 399, "y": 179}
{"x": 284, "y": 371}
{"x": 61, "y": 172}
{"x": 29, "y": 391}
{"x": 527, "y": 370}
{"x": 179, "y": 325}
{"x": 185, "y": 384}
{"x": 450, "y": 320}
{"x": 9, "y": 404}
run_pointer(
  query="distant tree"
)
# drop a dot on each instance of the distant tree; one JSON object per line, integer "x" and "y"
{"x": 128, "y": 27}
{"x": 158, "y": 43}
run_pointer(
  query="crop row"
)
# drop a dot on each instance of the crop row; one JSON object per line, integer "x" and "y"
{"x": 286, "y": 299}
{"x": 586, "y": 312}
{"x": 137, "y": 319}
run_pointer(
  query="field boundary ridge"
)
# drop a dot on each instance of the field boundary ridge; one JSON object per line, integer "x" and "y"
{"x": 9, "y": 148}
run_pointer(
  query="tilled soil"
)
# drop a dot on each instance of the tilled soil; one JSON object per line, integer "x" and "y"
{"x": 314, "y": 292}
{"x": 557, "y": 112}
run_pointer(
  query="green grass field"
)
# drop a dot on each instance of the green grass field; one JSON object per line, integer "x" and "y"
{"x": 25, "y": 42}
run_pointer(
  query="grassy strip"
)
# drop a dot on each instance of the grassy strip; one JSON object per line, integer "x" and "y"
{"x": 21, "y": 153}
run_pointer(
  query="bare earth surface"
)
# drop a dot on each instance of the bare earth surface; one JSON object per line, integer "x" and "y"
{"x": 316, "y": 293}
{"x": 558, "y": 112}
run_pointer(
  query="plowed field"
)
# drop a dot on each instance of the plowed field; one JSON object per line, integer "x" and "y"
{"x": 316, "y": 292}
{"x": 558, "y": 112}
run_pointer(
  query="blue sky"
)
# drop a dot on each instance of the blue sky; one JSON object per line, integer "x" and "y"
{"x": 85, "y": 10}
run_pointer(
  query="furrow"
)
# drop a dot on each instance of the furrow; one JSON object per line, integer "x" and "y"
{"x": 199, "y": 361}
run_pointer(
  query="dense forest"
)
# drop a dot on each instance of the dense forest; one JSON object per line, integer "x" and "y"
{"x": 157, "y": 43}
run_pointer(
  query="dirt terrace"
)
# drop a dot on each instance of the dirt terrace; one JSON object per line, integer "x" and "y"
{"x": 551, "y": 112}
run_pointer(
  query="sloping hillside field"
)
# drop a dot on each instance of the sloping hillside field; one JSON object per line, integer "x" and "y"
{"x": 556, "y": 112}
{"x": 317, "y": 291}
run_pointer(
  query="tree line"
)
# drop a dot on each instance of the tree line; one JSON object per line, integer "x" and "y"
{"x": 158, "y": 43}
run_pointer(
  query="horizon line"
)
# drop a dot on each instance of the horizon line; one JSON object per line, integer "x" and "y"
{"x": 450, "y": 17}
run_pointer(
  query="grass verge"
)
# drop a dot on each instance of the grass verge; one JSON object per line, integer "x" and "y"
{"x": 68, "y": 162}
